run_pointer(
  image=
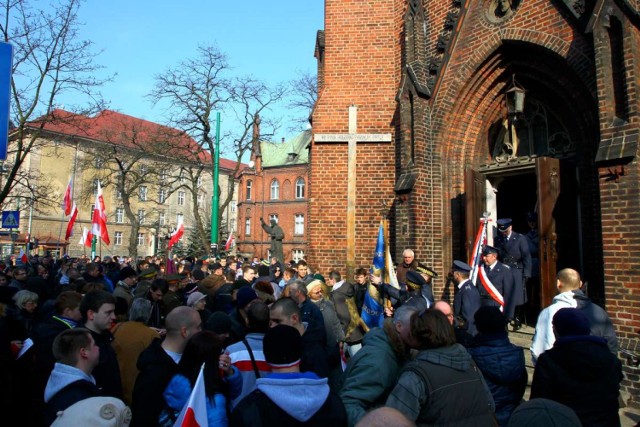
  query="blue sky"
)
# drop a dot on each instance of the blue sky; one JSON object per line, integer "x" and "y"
{"x": 270, "y": 40}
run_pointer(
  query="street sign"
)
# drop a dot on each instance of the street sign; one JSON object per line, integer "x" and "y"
{"x": 10, "y": 219}
{"x": 6, "y": 64}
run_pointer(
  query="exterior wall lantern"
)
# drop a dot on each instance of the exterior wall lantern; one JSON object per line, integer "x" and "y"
{"x": 514, "y": 98}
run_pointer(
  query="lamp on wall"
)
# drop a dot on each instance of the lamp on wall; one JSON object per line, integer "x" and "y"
{"x": 514, "y": 98}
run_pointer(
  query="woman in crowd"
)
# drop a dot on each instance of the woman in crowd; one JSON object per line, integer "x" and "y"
{"x": 442, "y": 386}
{"x": 222, "y": 381}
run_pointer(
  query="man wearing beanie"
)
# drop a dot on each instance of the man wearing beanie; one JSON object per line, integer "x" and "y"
{"x": 579, "y": 371}
{"x": 124, "y": 288}
{"x": 288, "y": 397}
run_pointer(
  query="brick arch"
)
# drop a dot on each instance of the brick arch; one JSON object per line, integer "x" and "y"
{"x": 460, "y": 134}
{"x": 285, "y": 190}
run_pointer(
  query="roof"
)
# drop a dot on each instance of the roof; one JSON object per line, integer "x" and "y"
{"x": 120, "y": 129}
{"x": 278, "y": 154}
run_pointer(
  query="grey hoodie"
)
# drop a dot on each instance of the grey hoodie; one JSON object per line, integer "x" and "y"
{"x": 299, "y": 397}
{"x": 61, "y": 376}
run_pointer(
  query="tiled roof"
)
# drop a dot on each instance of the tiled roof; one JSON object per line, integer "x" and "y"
{"x": 128, "y": 131}
{"x": 292, "y": 152}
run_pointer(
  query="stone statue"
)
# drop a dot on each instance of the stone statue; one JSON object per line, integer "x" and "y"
{"x": 276, "y": 233}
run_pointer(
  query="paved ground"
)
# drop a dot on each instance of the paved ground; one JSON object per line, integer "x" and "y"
{"x": 629, "y": 417}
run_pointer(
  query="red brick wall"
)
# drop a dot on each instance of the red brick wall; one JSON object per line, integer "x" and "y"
{"x": 361, "y": 67}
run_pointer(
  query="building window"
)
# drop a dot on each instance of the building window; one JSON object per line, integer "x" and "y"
{"x": 179, "y": 218}
{"x": 140, "y": 239}
{"x": 163, "y": 175}
{"x": 98, "y": 162}
{"x": 181, "y": 176}
{"x": 249, "y": 185}
{"x": 119, "y": 215}
{"x": 118, "y": 194}
{"x": 300, "y": 188}
{"x": 118, "y": 238}
{"x": 298, "y": 254}
{"x": 162, "y": 196}
{"x": 273, "y": 217}
{"x": 141, "y": 215}
{"x": 232, "y": 225}
{"x": 143, "y": 193}
{"x": 299, "y": 225}
{"x": 199, "y": 181}
{"x": 161, "y": 219}
{"x": 275, "y": 189}
{"x": 95, "y": 186}
{"x": 247, "y": 227}
{"x": 143, "y": 170}
{"x": 200, "y": 200}
{"x": 180, "y": 198}
{"x": 234, "y": 205}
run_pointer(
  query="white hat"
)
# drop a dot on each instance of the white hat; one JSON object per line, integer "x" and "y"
{"x": 95, "y": 412}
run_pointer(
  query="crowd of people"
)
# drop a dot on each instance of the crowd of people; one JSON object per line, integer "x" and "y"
{"x": 279, "y": 344}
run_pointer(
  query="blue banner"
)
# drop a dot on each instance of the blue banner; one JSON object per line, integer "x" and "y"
{"x": 6, "y": 64}
{"x": 372, "y": 309}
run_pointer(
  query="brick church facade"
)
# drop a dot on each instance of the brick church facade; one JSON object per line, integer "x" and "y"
{"x": 439, "y": 76}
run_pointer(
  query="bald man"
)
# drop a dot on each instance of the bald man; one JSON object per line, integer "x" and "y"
{"x": 569, "y": 286}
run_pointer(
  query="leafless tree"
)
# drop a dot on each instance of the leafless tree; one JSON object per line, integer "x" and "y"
{"x": 194, "y": 90}
{"x": 49, "y": 61}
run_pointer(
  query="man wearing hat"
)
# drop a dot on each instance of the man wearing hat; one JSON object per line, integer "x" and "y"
{"x": 288, "y": 397}
{"x": 465, "y": 303}
{"x": 124, "y": 287}
{"x": 145, "y": 278}
{"x": 171, "y": 299}
{"x": 415, "y": 291}
{"x": 500, "y": 277}
{"x": 514, "y": 252}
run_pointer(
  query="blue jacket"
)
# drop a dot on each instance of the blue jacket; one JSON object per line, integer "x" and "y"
{"x": 179, "y": 389}
{"x": 502, "y": 365}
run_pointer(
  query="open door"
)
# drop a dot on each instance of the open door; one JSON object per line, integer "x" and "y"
{"x": 548, "y": 183}
{"x": 475, "y": 205}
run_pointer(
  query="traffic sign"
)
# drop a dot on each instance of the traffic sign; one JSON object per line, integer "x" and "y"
{"x": 6, "y": 64}
{"x": 10, "y": 219}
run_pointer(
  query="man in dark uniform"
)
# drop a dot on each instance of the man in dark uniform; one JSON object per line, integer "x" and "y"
{"x": 499, "y": 275}
{"x": 514, "y": 252}
{"x": 416, "y": 291}
{"x": 465, "y": 303}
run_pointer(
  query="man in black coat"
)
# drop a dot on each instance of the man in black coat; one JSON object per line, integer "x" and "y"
{"x": 77, "y": 355}
{"x": 579, "y": 371}
{"x": 465, "y": 303}
{"x": 499, "y": 276}
{"x": 158, "y": 363}
{"x": 514, "y": 252}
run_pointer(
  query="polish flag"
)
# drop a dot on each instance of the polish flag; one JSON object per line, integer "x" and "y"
{"x": 230, "y": 242}
{"x": 194, "y": 413}
{"x": 72, "y": 221}
{"x": 66, "y": 201}
{"x": 23, "y": 257}
{"x": 176, "y": 235}
{"x": 99, "y": 219}
{"x": 87, "y": 237}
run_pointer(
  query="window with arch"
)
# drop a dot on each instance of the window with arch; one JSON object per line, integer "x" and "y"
{"x": 299, "y": 188}
{"x": 275, "y": 189}
{"x": 247, "y": 227}
{"x": 248, "y": 189}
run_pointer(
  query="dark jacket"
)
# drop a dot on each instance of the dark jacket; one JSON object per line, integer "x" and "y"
{"x": 502, "y": 365}
{"x": 66, "y": 386}
{"x": 156, "y": 370}
{"x": 581, "y": 372}
{"x": 290, "y": 400}
{"x": 339, "y": 298}
{"x": 465, "y": 304}
{"x": 314, "y": 351}
{"x": 599, "y": 321}
{"x": 107, "y": 373}
{"x": 502, "y": 279}
{"x": 443, "y": 387}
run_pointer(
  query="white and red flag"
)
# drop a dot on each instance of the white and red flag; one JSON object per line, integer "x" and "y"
{"x": 87, "y": 237}
{"x": 477, "y": 266}
{"x": 23, "y": 257}
{"x": 194, "y": 413}
{"x": 230, "y": 242}
{"x": 67, "y": 201}
{"x": 177, "y": 234}
{"x": 72, "y": 221}
{"x": 99, "y": 218}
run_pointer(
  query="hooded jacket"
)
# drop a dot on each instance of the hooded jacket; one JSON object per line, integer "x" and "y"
{"x": 293, "y": 399}
{"x": 443, "y": 387}
{"x": 599, "y": 321}
{"x": 66, "y": 386}
{"x": 503, "y": 367}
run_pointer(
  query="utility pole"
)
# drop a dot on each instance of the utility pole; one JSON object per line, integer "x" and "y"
{"x": 215, "y": 197}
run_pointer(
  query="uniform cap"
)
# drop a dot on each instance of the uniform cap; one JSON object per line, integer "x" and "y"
{"x": 489, "y": 250}
{"x": 421, "y": 268}
{"x": 415, "y": 280}
{"x": 504, "y": 223}
{"x": 461, "y": 266}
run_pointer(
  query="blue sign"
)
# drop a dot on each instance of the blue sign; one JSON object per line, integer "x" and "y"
{"x": 6, "y": 64}
{"x": 10, "y": 219}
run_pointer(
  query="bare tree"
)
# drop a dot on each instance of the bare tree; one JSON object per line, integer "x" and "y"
{"x": 304, "y": 93}
{"x": 196, "y": 89}
{"x": 49, "y": 61}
